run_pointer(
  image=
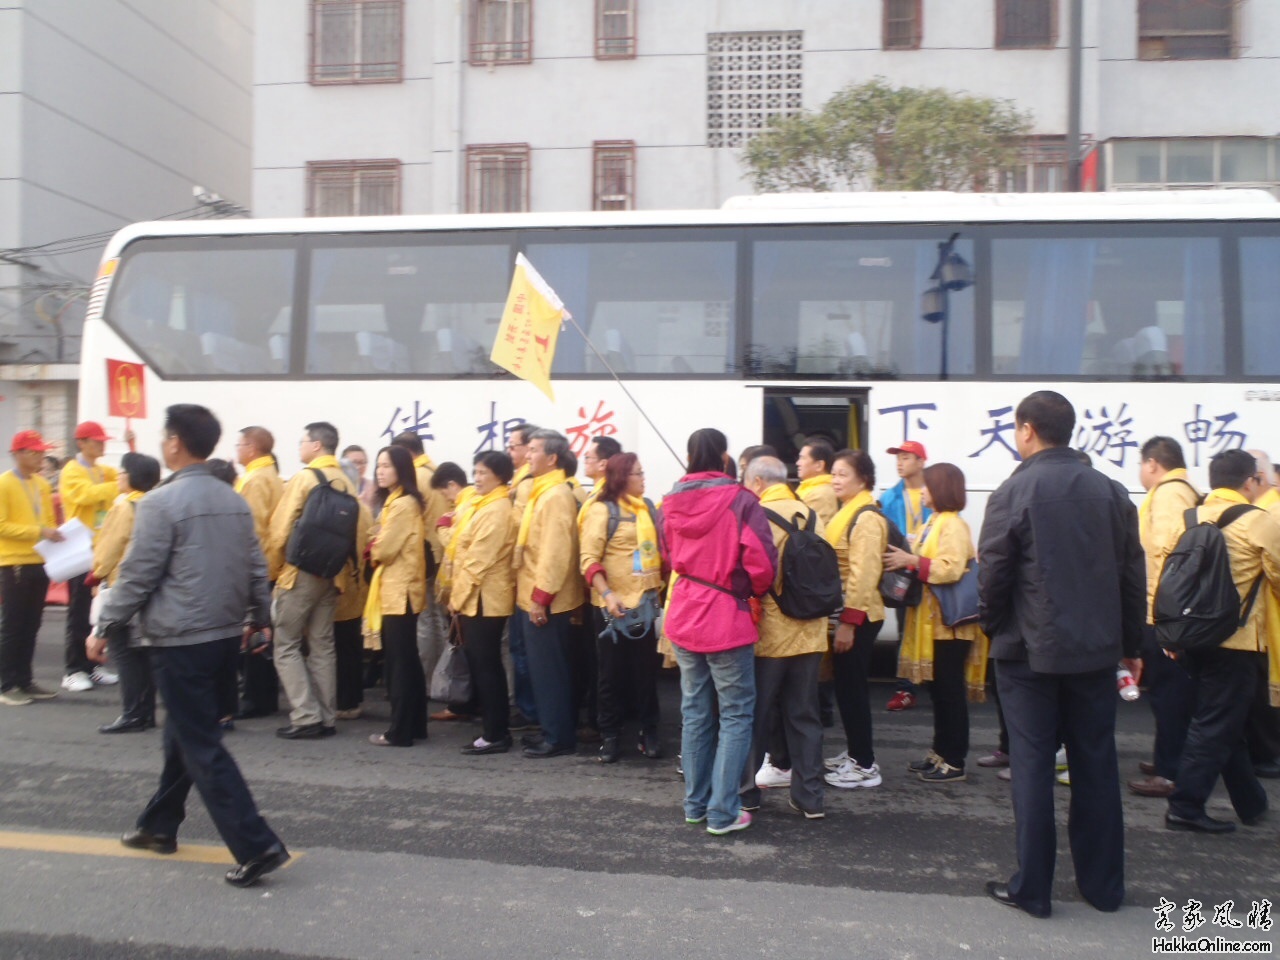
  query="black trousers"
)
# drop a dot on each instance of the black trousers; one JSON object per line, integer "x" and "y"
{"x": 950, "y": 696}
{"x": 189, "y": 679}
{"x": 79, "y": 603}
{"x": 788, "y": 685}
{"x": 22, "y": 592}
{"x": 348, "y": 650}
{"x": 627, "y": 676}
{"x": 482, "y": 646}
{"x": 585, "y": 668}
{"x": 550, "y": 652}
{"x": 406, "y": 683}
{"x": 854, "y": 695}
{"x": 1216, "y": 744}
{"x": 133, "y": 661}
{"x": 1262, "y": 729}
{"x": 1172, "y": 695}
{"x": 1043, "y": 710}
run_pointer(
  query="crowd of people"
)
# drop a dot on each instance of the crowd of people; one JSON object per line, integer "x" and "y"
{"x": 543, "y": 607}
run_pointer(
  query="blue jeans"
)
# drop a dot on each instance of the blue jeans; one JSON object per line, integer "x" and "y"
{"x": 523, "y": 693}
{"x": 713, "y": 762}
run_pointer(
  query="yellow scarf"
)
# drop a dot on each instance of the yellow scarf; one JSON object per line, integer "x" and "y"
{"x": 253, "y": 467}
{"x": 324, "y": 461}
{"x": 646, "y": 534}
{"x": 1144, "y": 511}
{"x": 466, "y": 512}
{"x": 837, "y": 530}
{"x": 541, "y": 485}
{"x": 822, "y": 479}
{"x": 373, "y": 606}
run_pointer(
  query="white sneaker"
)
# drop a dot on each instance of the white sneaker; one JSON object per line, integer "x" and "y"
{"x": 15, "y": 698}
{"x": 770, "y": 776}
{"x": 1060, "y": 761}
{"x": 77, "y": 682}
{"x": 104, "y": 677}
{"x": 850, "y": 776}
{"x": 838, "y": 761}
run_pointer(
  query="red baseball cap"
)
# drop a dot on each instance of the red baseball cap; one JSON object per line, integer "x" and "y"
{"x": 89, "y": 430}
{"x": 29, "y": 440}
{"x": 910, "y": 446}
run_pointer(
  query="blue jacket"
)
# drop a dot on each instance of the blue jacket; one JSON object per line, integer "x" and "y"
{"x": 894, "y": 504}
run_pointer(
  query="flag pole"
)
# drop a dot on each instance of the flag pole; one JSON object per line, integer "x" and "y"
{"x": 599, "y": 356}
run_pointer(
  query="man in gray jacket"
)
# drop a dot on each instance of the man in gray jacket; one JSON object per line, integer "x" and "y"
{"x": 196, "y": 577}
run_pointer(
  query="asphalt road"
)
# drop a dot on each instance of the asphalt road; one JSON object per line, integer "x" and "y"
{"x": 427, "y": 853}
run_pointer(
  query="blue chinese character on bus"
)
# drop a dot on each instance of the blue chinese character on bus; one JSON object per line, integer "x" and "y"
{"x": 906, "y": 410}
{"x": 489, "y": 430}
{"x": 995, "y": 433}
{"x": 1200, "y": 429}
{"x": 1104, "y": 434}
{"x": 419, "y": 422}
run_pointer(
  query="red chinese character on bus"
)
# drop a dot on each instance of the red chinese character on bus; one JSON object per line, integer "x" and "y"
{"x": 599, "y": 424}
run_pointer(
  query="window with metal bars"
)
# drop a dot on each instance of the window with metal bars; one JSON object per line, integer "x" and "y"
{"x": 501, "y": 31}
{"x": 615, "y": 175}
{"x": 357, "y": 41}
{"x": 1026, "y": 24}
{"x": 751, "y": 78}
{"x": 903, "y": 27}
{"x": 353, "y": 188}
{"x": 498, "y": 178}
{"x": 615, "y": 29}
{"x": 1186, "y": 29}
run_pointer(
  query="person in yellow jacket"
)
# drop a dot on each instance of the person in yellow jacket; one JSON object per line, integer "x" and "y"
{"x": 595, "y": 463}
{"x": 348, "y": 632}
{"x": 1170, "y": 692}
{"x": 303, "y": 604}
{"x": 88, "y": 488}
{"x": 1227, "y": 675}
{"x": 398, "y": 594}
{"x": 859, "y": 532}
{"x": 788, "y": 655}
{"x": 26, "y": 518}
{"x": 138, "y": 474}
{"x": 549, "y": 589}
{"x": 813, "y": 467}
{"x": 525, "y": 715}
{"x": 262, "y": 489}
{"x": 624, "y": 570}
{"x": 1263, "y": 729}
{"x": 948, "y": 659}
{"x": 482, "y": 593}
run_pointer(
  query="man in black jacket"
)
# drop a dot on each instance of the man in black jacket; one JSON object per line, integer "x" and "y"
{"x": 1063, "y": 599}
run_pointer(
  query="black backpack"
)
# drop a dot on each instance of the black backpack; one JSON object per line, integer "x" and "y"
{"x": 1197, "y": 606}
{"x": 811, "y": 584}
{"x": 615, "y": 518}
{"x": 324, "y": 538}
{"x": 898, "y": 588}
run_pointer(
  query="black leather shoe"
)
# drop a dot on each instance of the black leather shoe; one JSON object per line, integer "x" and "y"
{"x": 1256, "y": 819}
{"x": 498, "y": 746}
{"x": 532, "y": 740}
{"x": 251, "y": 871}
{"x": 1201, "y": 824}
{"x": 610, "y": 752}
{"x": 999, "y": 892}
{"x": 124, "y": 725}
{"x": 139, "y": 839}
{"x": 545, "y": 750}
{"x": 328, "y": 731}
{"x": 308, "y": 731}
{"x": 651, "y": 746}
{"x": 1267, "y": 770}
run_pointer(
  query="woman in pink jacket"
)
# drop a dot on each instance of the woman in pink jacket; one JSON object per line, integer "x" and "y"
{"x": 723, "y": 558}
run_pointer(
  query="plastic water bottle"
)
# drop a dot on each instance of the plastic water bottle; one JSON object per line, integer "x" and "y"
{"x": 1127, "y": 686}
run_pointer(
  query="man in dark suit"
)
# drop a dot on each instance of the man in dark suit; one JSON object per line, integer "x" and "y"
{"x": 1063, "y": 599}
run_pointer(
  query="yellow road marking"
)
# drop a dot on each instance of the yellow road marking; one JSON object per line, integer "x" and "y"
{"x": 100, "y": 847}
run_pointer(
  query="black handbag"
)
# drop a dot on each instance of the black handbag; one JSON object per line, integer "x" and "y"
{"x": 900, "y": 588}
{"x": 958, "y": 602}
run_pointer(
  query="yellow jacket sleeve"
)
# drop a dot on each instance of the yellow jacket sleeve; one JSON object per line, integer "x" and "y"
{"x": 283, "y": 518}
{"x": 867, "y": 542}
{"x": 955, "y": 548}
{"x": 113, "y": 539}
{"x": 263, "y": 492}
{"x": 557, "y": 542}
{"x": 595, "y": 528}
{"x": 15, "y": 511}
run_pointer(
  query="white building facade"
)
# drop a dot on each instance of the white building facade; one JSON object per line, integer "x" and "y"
{"x": 438, "y": 106}
{"x": 110, "y": 112}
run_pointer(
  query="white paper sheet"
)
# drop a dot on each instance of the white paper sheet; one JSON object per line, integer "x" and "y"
{"x": 70, "y": 557}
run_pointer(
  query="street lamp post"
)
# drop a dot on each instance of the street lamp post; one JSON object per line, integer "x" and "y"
{"x": 951, "y": 273}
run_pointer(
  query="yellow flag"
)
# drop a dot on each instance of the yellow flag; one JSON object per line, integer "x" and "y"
{"x": 526, "y": 341}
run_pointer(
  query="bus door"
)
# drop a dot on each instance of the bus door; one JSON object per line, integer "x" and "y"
{"x": 791, "y": 414}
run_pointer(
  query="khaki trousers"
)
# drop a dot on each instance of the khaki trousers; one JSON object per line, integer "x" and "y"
{"x": 310, "y": 682}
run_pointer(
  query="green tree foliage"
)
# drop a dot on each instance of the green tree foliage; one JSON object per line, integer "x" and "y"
{"x": 877, "y": 136}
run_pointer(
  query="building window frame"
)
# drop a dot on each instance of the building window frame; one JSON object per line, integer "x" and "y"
{"x": 1153, "y": 39}
{"x": 483, "y": 157}
{"x": 355, "y": 172}
{"x": 1006, "y": 41}
{"x": 613, "y": 164}
{"x": 511, "y": 49}
{"x": 891, "y": 18}
{"x": 618, "y": 45}
{"x": 1218, "y": 181}
{"x": 320, "y": 73}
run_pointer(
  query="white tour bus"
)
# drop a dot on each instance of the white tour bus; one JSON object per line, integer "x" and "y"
{"x": 772, "y": 319}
